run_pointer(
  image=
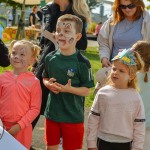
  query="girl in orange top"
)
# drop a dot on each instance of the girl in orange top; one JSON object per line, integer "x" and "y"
{"x": 20, "y": 92}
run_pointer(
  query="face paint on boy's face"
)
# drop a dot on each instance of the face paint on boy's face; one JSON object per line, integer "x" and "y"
{"x": 20, "y": 56}
{"x": 65, "y": 33}
{"x": 71, "y": 40}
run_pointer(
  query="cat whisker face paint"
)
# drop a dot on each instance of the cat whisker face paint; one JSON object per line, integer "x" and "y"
{"x": 20, "y": 56}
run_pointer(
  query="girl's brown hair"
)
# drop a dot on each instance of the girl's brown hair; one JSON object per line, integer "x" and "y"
{"x": 119, "y": 15}
{"x": 143, "y": 48}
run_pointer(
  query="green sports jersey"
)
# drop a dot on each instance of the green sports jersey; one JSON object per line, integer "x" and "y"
{"x": 66, "y": 107}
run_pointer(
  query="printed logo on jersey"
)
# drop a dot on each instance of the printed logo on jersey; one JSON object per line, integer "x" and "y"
{"x": 70, "y": 72}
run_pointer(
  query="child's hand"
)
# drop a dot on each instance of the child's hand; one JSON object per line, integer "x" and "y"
{"x": 14, "y": 129}
{"x": 52, "y": 86}
{"x": 64, "y": 88}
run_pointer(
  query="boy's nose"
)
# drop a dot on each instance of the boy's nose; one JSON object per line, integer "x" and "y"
{"x": 16, "y": 57}
{"x": 61, "y": 34}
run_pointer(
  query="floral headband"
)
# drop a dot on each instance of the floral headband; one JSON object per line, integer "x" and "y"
{"x": 126, "y": 56}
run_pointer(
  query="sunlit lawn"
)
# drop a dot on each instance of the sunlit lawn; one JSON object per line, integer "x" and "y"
{"x": 92, "y": 55}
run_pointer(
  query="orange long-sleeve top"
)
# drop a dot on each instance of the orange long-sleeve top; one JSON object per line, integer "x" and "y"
{"x": 20, "y": 98}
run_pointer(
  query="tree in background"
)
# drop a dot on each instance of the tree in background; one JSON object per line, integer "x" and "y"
{"x": 148, "y": 7}
{"x": 14, "y": 5}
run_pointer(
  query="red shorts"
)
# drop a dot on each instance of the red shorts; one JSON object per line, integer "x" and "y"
{"x": 72, "y": 134}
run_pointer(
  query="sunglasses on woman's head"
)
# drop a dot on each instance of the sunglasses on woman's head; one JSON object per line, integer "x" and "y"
{"x": 130, "y": 6}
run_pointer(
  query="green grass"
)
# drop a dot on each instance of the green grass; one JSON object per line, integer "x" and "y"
{"x": 4, "y": 69}
{"x": 92, "y": 55}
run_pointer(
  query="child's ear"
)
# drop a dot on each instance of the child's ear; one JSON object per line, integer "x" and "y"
{"x": 79, "y": 35}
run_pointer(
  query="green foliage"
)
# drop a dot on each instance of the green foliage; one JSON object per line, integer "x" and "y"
{"x": 2, "y": 24}
{"x": 148, "y": 7}
{"x": 11, "y": 3}
{"x": 92, "y": 3}
{"x": 4, "y": 69}
{"x": 93, "y": 56}
{"x": 91, "y": 28}
{"x": 3, "y": 16}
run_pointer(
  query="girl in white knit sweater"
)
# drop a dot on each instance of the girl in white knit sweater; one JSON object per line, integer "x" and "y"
{"x": 117, "y": 116}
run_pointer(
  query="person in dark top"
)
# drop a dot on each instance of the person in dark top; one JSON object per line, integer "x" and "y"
{"x": 40, "y": 15}
{"x": 52, "y": 12}
{"x": 4, "y": 55}
{"x": 33, "y": 17}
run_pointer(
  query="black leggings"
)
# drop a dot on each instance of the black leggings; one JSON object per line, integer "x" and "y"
{"x": 103, "y": 145}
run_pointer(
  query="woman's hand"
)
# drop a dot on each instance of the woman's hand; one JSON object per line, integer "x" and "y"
{"x": 92, "y": 149}
{"x": 14, "y": 129}
{"x": 105, "y": 62}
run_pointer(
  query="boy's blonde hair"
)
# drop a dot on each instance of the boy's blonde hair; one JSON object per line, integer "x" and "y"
{"x": 34, "y": 48}
{"x": 78, "y": 22}
{"x": 143, "y": 48}
{"x": 133, "y": 69}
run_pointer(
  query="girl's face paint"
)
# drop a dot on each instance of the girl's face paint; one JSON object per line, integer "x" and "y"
{"x": 65, "y": 34}
{"x": 20, "y": 57}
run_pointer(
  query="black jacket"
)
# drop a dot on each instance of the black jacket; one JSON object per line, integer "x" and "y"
{"x": 4, "y": 55}
{"x": 52, "y": 13}
{"x": 33, "y": 20}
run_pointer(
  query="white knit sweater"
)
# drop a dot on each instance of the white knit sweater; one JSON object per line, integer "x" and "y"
{"x": 118, "y": 112}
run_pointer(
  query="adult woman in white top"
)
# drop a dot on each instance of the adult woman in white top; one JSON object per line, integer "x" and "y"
{"x": 130, "y": 23}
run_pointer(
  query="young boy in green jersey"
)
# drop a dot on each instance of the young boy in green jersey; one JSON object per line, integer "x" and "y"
{"x": 69, "y": 78}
